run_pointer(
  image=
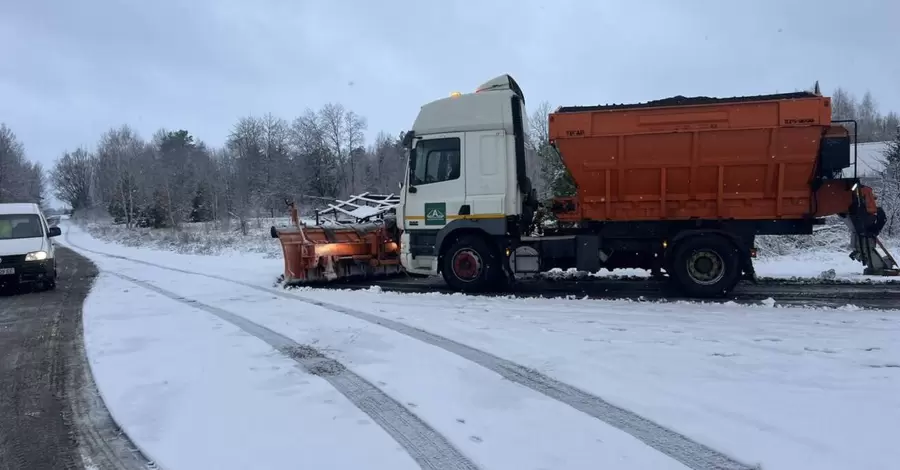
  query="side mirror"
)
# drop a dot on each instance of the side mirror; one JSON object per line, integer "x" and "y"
{"x": 408, "y": 139}
{"x": 54, "y": 232}
{"x": 412, "y": 189}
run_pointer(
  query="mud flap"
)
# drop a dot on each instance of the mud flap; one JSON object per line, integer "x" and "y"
{"x": 749, "y": 273}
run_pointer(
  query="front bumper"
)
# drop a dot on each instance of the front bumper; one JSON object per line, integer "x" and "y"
{"x": 15, "y": 270}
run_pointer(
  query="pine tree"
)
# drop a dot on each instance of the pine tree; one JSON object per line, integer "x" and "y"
{"x": 892, "y": 153}
{"x": 889, "y": 193}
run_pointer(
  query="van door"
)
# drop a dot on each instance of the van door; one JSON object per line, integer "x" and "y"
{"x": 51, "y": 247}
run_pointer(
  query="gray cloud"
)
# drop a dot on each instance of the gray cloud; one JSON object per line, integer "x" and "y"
{"x": 70, "y": 70}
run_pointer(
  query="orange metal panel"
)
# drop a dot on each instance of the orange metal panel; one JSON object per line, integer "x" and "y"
{"x": 740, "y": 159}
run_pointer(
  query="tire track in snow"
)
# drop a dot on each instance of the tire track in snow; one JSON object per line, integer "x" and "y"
{"x": 427, "y": 447}
{"x": 671, "y": 443}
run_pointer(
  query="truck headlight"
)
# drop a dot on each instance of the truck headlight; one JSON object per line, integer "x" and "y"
{"x": 36, "y": 256}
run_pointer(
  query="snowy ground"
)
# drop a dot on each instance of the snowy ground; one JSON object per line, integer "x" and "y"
{"x": 186, "y": 368}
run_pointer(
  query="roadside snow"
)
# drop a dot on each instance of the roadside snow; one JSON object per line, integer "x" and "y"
{"x": 784, "y": 387}
{"x": 193, "y": 391}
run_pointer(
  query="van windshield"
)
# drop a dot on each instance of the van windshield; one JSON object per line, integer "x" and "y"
{"x": 20, "y": 226}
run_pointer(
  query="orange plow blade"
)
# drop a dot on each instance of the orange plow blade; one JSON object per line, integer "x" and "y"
{"x": 321, "y": 253}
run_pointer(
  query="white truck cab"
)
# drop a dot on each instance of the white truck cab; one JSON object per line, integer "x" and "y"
{"x": 27, "y": 255}
{"x": 466, "y": 194}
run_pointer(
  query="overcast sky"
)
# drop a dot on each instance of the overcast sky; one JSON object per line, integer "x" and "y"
{"x": 69, "y": 70}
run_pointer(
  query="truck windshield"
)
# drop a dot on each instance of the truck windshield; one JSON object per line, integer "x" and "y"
{"x": 20, "y": 226}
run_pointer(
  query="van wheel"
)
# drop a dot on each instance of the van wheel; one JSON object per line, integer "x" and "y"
{"x": 706, "y": 266}
{"x": 471, "y": 265}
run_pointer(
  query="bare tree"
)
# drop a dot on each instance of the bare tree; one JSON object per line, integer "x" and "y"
{"x": 868, "y": 119}
{"x": 246, "y": 168}
{"x": 550, "y": 175}
{"x": 72, "y": 176}
{"x": 275, "y": 161}
{"x": 843, "y": 104}
{"x": 119, "y": 169}
{"x": 386, "y": 163}
{"x": 872, "y": 125}
{"x": 313, "y": 158}
{"x": 343, "y": 134}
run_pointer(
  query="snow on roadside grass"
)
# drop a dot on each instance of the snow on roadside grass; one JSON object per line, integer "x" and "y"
{"x": 204, "y": 238}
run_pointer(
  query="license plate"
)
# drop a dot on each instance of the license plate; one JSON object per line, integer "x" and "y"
{"x": 4, "y": 271}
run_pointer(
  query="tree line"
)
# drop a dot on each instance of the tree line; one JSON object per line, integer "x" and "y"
{"x": 20, "y": 179}
{"x": 173, "y": 177}
{"x": 873, "y": 126}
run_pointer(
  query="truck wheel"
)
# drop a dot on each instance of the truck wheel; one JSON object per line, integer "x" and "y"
{"x": 470, "y": 265}
{"x": 706, "y": 266}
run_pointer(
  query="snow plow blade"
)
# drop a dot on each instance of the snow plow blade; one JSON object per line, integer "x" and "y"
{"x": 325, "y": 253}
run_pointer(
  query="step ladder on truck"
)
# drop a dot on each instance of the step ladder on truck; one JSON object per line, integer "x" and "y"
{"x": 681, "y": 185}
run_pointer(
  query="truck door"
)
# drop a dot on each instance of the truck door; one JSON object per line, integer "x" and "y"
{"x": 436, "y": 189}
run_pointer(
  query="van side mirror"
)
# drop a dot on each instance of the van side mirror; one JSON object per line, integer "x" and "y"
{"x": 54, "y": 232}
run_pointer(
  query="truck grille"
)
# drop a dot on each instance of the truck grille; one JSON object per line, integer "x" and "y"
{"x": 11, "y": 259}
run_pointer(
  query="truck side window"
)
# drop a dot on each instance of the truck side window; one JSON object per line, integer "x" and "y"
{"x": 437, "y": 160}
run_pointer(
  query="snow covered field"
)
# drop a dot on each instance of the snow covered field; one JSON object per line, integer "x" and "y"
{"x": 207, "y": 365}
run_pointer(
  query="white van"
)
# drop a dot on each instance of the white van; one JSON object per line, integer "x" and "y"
{"x": 27, "y": 254}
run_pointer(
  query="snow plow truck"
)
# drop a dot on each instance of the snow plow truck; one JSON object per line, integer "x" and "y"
{"x": 681, "y": 185}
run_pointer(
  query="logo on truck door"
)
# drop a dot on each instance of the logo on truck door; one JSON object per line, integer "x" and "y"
{"x": 435, "y": 213}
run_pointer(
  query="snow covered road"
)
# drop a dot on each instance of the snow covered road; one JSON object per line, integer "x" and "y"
{"x": 182, "y": 357}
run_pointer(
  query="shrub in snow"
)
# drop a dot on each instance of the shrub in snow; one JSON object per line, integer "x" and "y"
{"x": 203, "y": 238}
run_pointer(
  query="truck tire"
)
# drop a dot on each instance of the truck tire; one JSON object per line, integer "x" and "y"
{"x": 706, "y": 266}
{"x": 471, "y": 265}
